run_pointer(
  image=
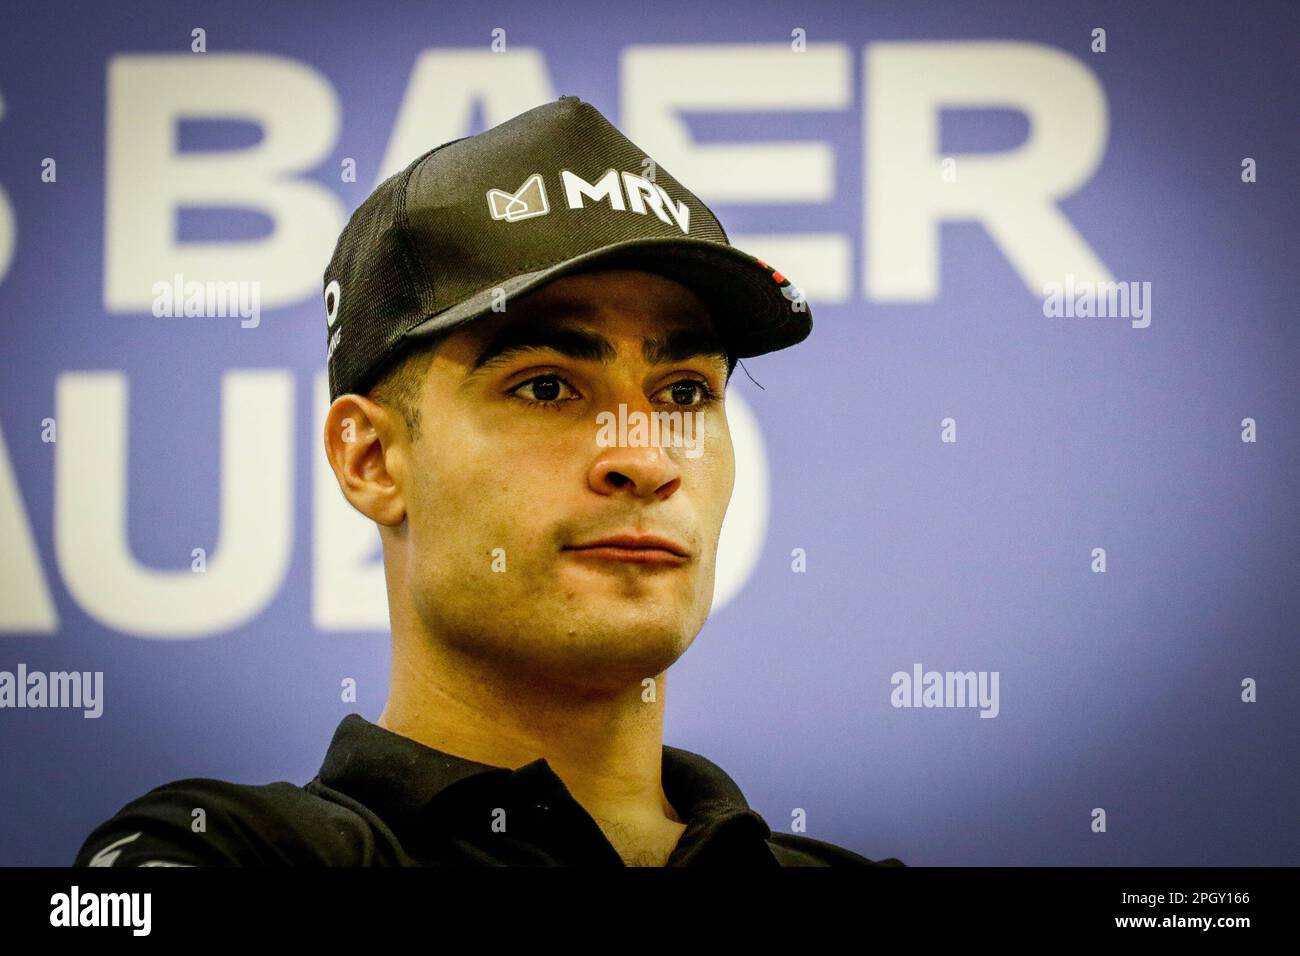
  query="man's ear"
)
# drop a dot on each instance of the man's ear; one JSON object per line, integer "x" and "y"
{"x": 365, "y": 444}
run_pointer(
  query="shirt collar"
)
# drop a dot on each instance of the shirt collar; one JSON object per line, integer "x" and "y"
{"x": 398, "y": 778}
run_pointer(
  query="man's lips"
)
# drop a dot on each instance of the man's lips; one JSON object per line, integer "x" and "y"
{"x": 637, "y": 548}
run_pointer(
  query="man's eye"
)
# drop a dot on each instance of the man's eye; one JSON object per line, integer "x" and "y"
{"x": 683, "y": 391}
{"x": 546, "y": 390}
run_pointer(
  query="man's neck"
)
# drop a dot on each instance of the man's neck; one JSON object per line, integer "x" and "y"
{"x": 605, "y": 745}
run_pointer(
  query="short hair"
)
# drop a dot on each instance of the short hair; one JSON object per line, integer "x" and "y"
{"x": 400, "y": 384}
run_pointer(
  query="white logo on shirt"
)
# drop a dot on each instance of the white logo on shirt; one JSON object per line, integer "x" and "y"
{"x": 108, "y": 856}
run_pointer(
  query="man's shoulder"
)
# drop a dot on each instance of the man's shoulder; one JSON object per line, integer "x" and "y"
{"x": 203, "y": 821}
{"x": 791, "y": 849}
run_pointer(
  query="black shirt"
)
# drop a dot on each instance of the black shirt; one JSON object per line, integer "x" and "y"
{"x": 382, "y": 799}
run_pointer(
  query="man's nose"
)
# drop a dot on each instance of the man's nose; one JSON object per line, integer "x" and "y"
{"x": 629, "y": 459}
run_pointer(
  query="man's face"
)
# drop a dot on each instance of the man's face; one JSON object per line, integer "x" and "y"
{"x": 500, "y": 492}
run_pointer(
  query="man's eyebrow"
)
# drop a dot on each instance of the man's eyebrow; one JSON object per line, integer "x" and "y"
{"x": 577, "y": 343}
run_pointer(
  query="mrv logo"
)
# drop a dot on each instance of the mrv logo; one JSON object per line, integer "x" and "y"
{"x": 625, "y": 192}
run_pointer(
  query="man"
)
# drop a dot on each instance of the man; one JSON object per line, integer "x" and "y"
{"x": 492, "y": 311}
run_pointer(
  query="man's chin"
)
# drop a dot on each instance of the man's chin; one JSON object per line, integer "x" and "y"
{"x": 618, "y": 655}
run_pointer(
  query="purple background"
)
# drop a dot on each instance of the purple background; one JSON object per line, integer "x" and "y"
{"x": 1118, "y": 690}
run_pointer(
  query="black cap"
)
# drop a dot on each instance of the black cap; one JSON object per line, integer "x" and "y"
{"x": 555, "y": 190}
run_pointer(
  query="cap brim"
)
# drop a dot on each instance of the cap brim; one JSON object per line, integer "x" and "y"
{"x": 755, "y": 309}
